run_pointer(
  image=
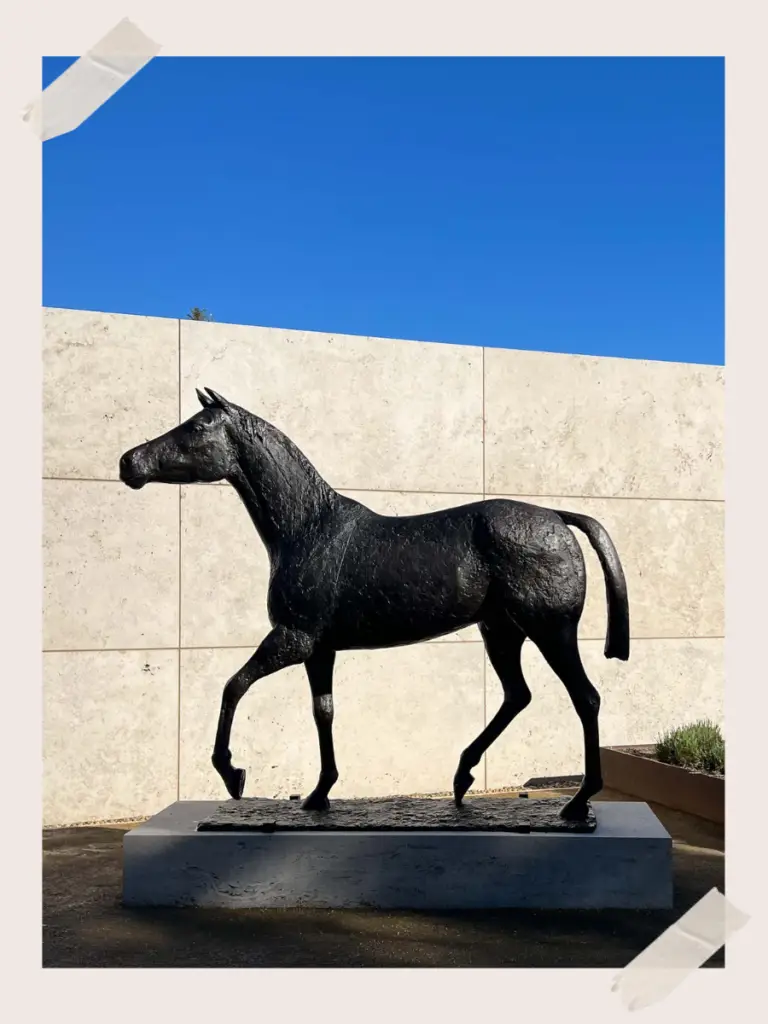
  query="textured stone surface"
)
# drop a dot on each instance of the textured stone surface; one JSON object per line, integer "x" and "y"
{"x": 104, "y": 375}
{"x": 402, "y": 717}
{"x": 416, "y": 408}
{"x": 555, "y": 424}
{"x": 110, "y": 734}
{"x": 626, "y": 862}
{"x": 224, "y": 571}
{"x": 587, "y": 425}
{"x": 111, "y": 566}
{"x": 401, "y": 814}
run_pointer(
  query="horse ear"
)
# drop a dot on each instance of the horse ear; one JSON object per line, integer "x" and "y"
{"x": 218, "y": 400}
{"x": 205, "y": 401}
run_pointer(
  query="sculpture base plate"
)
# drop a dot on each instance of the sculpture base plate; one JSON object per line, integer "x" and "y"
{"x": 625, "y": 862}
{"x": 397, "y": 814}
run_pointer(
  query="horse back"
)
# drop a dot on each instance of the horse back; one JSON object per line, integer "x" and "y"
{"x": 375, "y": 581}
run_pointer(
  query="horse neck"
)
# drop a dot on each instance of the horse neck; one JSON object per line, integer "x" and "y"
{"x": 280, "y": 488}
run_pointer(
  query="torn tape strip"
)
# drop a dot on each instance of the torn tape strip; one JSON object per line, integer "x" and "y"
{"x": 90, "y": 81}
{"x": 678, "y": 951}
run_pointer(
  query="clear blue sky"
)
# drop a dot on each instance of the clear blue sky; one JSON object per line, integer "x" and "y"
{"x": 569, "y": 205}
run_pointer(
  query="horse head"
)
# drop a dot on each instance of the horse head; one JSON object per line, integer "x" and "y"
{"x": 200, "y": 450}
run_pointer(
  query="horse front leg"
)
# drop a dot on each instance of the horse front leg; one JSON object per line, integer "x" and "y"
{"x": 320, "y": 673}
{"x": 279, "y": 649}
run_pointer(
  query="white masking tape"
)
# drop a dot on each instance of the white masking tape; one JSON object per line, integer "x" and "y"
{"x": 678, "y": 951}
{"x": 90, "y": 81}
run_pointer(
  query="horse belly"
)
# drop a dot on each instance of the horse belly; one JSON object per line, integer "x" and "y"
{"x": 417, "y": 595}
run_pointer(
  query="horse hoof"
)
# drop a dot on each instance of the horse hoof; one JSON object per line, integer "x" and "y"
{"x": 316, "y": 803}
{"x": 575, "y": 810}
{"x": 235, "y": 783}
{"x": 461, "y": 783}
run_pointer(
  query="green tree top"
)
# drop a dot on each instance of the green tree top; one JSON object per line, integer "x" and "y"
{"x": 198, "y": 313}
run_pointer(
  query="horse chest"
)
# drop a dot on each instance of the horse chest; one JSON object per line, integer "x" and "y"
{"x": 303, "y": 584}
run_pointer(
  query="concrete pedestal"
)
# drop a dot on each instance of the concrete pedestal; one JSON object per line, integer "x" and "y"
{"x": 625, "y": 863}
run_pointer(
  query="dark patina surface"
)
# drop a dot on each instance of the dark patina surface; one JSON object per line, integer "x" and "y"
{"x": 398, "y": 814}
{"x": 344, "y": 577}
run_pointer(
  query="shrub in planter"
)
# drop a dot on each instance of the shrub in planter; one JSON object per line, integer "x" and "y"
{"x": 699, "y": 746}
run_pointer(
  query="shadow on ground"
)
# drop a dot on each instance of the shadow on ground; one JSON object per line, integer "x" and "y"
{"x": 85, "y": 924}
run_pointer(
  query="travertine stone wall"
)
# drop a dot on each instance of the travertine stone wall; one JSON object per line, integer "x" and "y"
{"x": 151, "y": 602}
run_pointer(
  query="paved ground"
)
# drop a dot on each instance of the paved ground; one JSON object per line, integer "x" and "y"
{"x": 86, "y": 926}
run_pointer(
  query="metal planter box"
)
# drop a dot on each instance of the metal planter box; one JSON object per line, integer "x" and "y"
{"x": 648, "y": 779}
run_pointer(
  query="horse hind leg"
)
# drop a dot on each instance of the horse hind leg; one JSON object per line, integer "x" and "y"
{"x": 560, "y": 649}
{"x": 503, "y": 645}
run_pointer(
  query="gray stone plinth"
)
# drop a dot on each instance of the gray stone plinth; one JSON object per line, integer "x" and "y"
{"x": 626, "y": 862}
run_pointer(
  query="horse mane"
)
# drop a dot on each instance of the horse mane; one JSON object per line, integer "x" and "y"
{"x": 262, "y": 436}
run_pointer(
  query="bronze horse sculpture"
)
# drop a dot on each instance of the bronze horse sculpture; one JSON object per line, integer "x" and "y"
{"x": 344, "y": 577}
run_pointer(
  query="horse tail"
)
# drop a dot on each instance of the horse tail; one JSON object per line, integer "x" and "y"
{"x": 617, "y": 637}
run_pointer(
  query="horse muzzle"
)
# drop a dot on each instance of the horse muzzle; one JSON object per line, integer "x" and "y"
{"x": 130, "y": 472}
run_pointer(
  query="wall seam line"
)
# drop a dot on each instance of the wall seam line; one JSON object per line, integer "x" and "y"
{"x": 485, "y": 660}
{"x": 250, "y": 646}
{"x": 179, "y": 648}
{"x": 409, "y": 490}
